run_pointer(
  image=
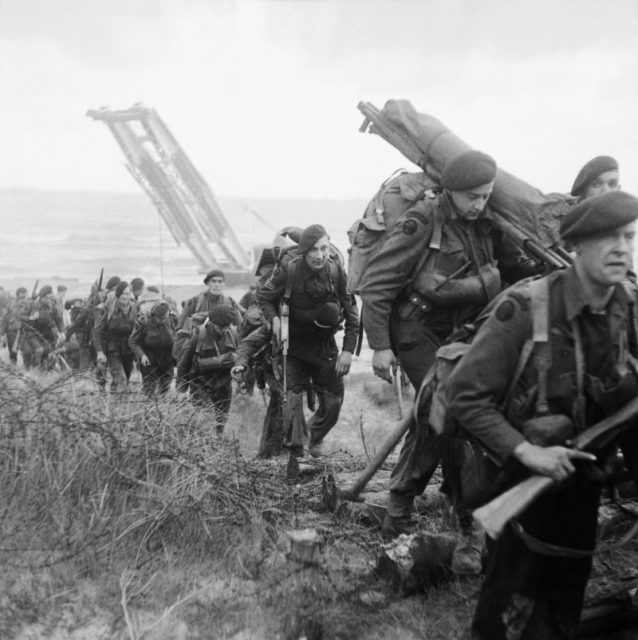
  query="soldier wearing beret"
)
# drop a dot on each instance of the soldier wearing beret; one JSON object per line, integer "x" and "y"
{"x": 204, "y": 364}
{"x": 312, "y": 283}
{"x": 41, "y": 327}
{"x": 597, "y": 176}
{"x": 114, "y": 323}
{"x": 438, "y": 267}
{"x": 152, "y": 343}
{"x": 215, "y": 281}
{"x": 581, "y": 371}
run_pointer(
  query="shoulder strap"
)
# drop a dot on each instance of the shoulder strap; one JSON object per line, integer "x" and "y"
{"x": 539, "y": 292}
{"x": 291, "y": 272}
{"x": 200, "y": 302}
{"x": 200, "y": 338}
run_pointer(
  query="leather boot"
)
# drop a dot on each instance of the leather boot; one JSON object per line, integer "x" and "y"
{"x": 467, "y": 559}
{"x": 398, "y": 517}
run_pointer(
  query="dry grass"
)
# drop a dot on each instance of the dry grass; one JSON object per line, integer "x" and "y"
{"x": 127, "y": 519}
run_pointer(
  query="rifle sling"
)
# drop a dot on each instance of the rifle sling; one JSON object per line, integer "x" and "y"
{"x": 558, "y": 551}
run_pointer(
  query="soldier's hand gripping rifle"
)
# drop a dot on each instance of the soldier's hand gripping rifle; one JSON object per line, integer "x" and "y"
{"x": 377, "y": 122}
{"x": 496, "y": 514}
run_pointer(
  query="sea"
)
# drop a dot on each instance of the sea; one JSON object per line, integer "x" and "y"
{"x": 70, "y": 236}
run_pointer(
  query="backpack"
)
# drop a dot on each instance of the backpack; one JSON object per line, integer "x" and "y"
{"x": 449, "y": 355}
{"x": 190, "y": 327}
{"x": 398, "y": 193}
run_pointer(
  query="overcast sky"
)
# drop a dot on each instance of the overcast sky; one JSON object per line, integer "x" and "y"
{"x": 262, "y": 95}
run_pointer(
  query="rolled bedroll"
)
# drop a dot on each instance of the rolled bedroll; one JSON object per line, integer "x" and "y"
{"x": 531, "y": 217}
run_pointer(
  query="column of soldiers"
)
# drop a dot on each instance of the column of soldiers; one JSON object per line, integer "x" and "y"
{"x": 438, "y": 269}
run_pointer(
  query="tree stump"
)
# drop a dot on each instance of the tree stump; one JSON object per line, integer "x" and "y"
{"x": 306, "y": 587}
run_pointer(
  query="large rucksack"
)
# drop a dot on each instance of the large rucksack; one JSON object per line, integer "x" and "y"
{"x": 400, "y": 192}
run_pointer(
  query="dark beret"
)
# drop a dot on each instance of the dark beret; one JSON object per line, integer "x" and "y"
{"x": 45, "y": 291}
{"x": 112, "y": 282}
{"x": 152, "y": 289}
{"x": 222, "y": 315}
{"x": 309, "y": 236}
{"x": 121, "y": 286}
{"x": 20, "y": 290}
{"x": 328, "y": 315}
{"x": 590, "y": 171}
{"x": 137, "y": 283}
{"x": 599, "y": 215}
{"x": 160, "y": 308}
{"x": 468, "y": 170}
{"x": 214, "y": 273}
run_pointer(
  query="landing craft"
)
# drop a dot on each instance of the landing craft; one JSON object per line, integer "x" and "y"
{"x": 179, "y": 192}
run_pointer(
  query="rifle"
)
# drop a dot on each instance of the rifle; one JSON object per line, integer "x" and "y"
{"x": 100, "y": 279}
{"x": 352, "y": 493}
{"x": 284, "y": 330}
{"x": 377, "y": 122}
{"x": 34, "y": 293}
{"x": 496, "y": 514}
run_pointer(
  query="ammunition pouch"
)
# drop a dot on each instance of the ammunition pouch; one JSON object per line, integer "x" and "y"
{"x": 447, "y": 357}
{"x": 548, "y": 431}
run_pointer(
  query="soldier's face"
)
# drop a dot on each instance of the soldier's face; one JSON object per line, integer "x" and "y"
{"x": 470, "y": 204}
{"x": 216, "y": 286}
{"x": 318, "y": 254}
{"x": 607, "y": 181}
{"x": 125, "y": 296}
{"x": 605, "y": 260}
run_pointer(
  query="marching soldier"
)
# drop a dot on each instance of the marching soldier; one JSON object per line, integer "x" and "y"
{"x": 312, "y": 285}
{"x": 523, "y": 409}
{"x": 205, "y": 363}
{"x": 113, "y": 326}
{"x": 438, "y": 267}
{"x": 41, "y": 327}
{"x": 152, "y": 344}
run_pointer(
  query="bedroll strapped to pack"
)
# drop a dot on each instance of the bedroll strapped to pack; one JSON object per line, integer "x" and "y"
{"x": 401, "y": 191}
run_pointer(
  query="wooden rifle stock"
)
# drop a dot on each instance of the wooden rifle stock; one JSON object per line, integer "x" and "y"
{"x": 496, "y": 514}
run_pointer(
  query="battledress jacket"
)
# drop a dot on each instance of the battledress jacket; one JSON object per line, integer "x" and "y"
{"x": 481, "y": 381}
{"x": 429, "y": 244}
{"x": 309, "y": 290}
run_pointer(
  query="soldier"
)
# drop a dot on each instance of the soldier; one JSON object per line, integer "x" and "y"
{"x": 313, "y": 285}
{"x": 250, "y": 297}
{"x": 77, "y": 353}
{"x": 255, "y": 352}
{"x": 137, "y": 288}
{"x": 205, "y": 363}
{"x": 583, "y": 371}
{"x": 152, "y": 344}
{"x": 435, "y": 271}
{"x": 41, "y": 328}
{"x": 59, "y": 301}
{"x": 215, "y": 282}
{"x": 113, "y": 326}
{"x": 597, "y": 176}
{"x": 11, "y": 322}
